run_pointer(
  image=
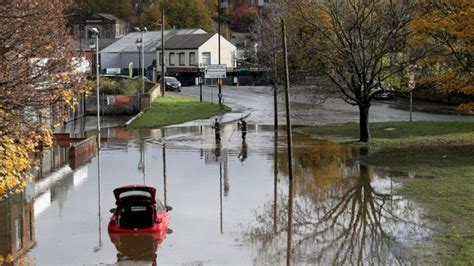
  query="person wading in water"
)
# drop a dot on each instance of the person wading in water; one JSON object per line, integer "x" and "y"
{"x": 217, "y": 130}
{"x": 242, "y": 124}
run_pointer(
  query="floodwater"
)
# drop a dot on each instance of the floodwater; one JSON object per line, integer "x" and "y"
{"x": 230, "y": 204}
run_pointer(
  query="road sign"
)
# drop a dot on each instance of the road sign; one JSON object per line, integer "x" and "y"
{"x": 215, "y": 71}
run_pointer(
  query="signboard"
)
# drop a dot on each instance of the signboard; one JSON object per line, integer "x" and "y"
{"x": 411, "y": 85}
{"x": 215, "y": 71}
{"x": 112, "y": 71}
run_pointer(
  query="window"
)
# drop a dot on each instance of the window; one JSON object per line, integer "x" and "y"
{"x": 182, "y": 60}
{"x": 171, "y": 59}
{"x": 192, "y": 58}
{"x": 206, "y": 58}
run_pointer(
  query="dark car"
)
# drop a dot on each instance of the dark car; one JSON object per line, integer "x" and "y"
{"x": 172, "y": 84}
{"x": 384, "y": 93}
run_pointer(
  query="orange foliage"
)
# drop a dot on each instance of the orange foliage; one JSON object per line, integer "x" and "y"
{"x": 36, "y": 58}
{"x": 446, "y": 30}
{"x": 317, "y": 168}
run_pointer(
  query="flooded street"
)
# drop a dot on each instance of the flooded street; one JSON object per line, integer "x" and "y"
{"x": 229, "y": 203}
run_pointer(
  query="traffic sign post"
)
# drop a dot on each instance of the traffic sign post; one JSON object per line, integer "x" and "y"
{"x": 215, "y": 71}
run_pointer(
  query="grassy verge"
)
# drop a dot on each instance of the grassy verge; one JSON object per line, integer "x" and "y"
{"x": 173, "y": 109}
{"x": 444, "y": 150}
{"x": 399, "y": 134}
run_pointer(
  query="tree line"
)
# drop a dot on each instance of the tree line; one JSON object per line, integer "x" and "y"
{"x": 179, "y": 13}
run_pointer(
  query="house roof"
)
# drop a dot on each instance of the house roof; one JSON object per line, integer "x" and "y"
{"x": 152, "y": 40}
{"x": 109, "y": 16}
{"x": 187, "y": 41}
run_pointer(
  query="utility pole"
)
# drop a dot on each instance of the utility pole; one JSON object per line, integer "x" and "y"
{"x": 143, "y": 58}
{"x": 219, "y": 10}
{"x": 163, "y": 82}
{"x": 275, "y": 132}
{"x": 290, "y": 144}
{"x": 95, "y": 31}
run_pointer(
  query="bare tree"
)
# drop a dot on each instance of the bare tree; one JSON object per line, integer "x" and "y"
{"x": 353, "y": 44}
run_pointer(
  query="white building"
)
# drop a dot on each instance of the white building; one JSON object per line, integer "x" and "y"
{"x": 185, "y": 51}
{"x": 194, "y": 50}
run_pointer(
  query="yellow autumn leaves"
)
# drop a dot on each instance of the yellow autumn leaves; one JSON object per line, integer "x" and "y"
{"x": 14, "y": 164}
{"x": 446, "y": 29}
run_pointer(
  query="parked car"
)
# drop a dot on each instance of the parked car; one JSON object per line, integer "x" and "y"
{"x": 172, "y": 84}
{"x": 140, "y": 77}
{"x": 385, "y": 94}
{"x": 138, "y": 212}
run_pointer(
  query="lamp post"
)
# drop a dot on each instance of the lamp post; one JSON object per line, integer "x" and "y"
{"x": 95, "y": 32}
{"x": 162, "y": 59}
{"x": 142, "y": 43}
{"x": 220, "y": 5}
{"x": 139, "y": 49}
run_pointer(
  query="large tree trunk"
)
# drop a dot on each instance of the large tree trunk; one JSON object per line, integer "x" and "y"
{"x": 364, "y": 123}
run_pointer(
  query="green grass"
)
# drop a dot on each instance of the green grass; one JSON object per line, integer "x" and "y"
{"x": 399, "y": 133}
{"x": 173, "y": 109}
{"x": 449, "y": 195}
{"x": 441, "y": 150}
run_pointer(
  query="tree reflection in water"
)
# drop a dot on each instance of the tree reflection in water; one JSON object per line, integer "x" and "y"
{"x": 344, "y": 213}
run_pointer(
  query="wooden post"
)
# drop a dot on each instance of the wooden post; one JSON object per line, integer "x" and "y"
{"x": 289, "y": 140}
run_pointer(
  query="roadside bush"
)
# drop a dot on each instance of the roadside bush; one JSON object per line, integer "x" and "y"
{"x": 112, "y": 87}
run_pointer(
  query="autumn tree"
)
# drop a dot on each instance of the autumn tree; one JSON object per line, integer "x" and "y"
{"x": 247, "y": 20}
{"x": 355, "y": 44}
{"x": 445, "y": 29}
{"x": 36, "y": 81}
{"x": 152, "y": 18}
{"x": 78, "y": 11}
{"x": 188, "y": 14}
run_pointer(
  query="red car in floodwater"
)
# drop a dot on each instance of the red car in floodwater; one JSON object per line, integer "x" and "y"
{"x": 138, "y": 212}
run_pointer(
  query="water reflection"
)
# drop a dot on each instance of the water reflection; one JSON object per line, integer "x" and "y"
{"x": 99, "y": 202}
{"x": 344, "y": 213}
{"x": 136, "y": 249}
{"x": 243, "y": 151}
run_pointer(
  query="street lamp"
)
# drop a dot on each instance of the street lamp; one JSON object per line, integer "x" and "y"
{"x": 95, "y": 33}
{"x": 142, "y": 41}
{"x": 139, "y": 48}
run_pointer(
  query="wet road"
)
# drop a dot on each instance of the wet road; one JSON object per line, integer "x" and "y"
{"x": 309, "y": 109}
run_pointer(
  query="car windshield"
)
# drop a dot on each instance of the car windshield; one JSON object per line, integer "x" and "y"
{"x": 171, "y": 79}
